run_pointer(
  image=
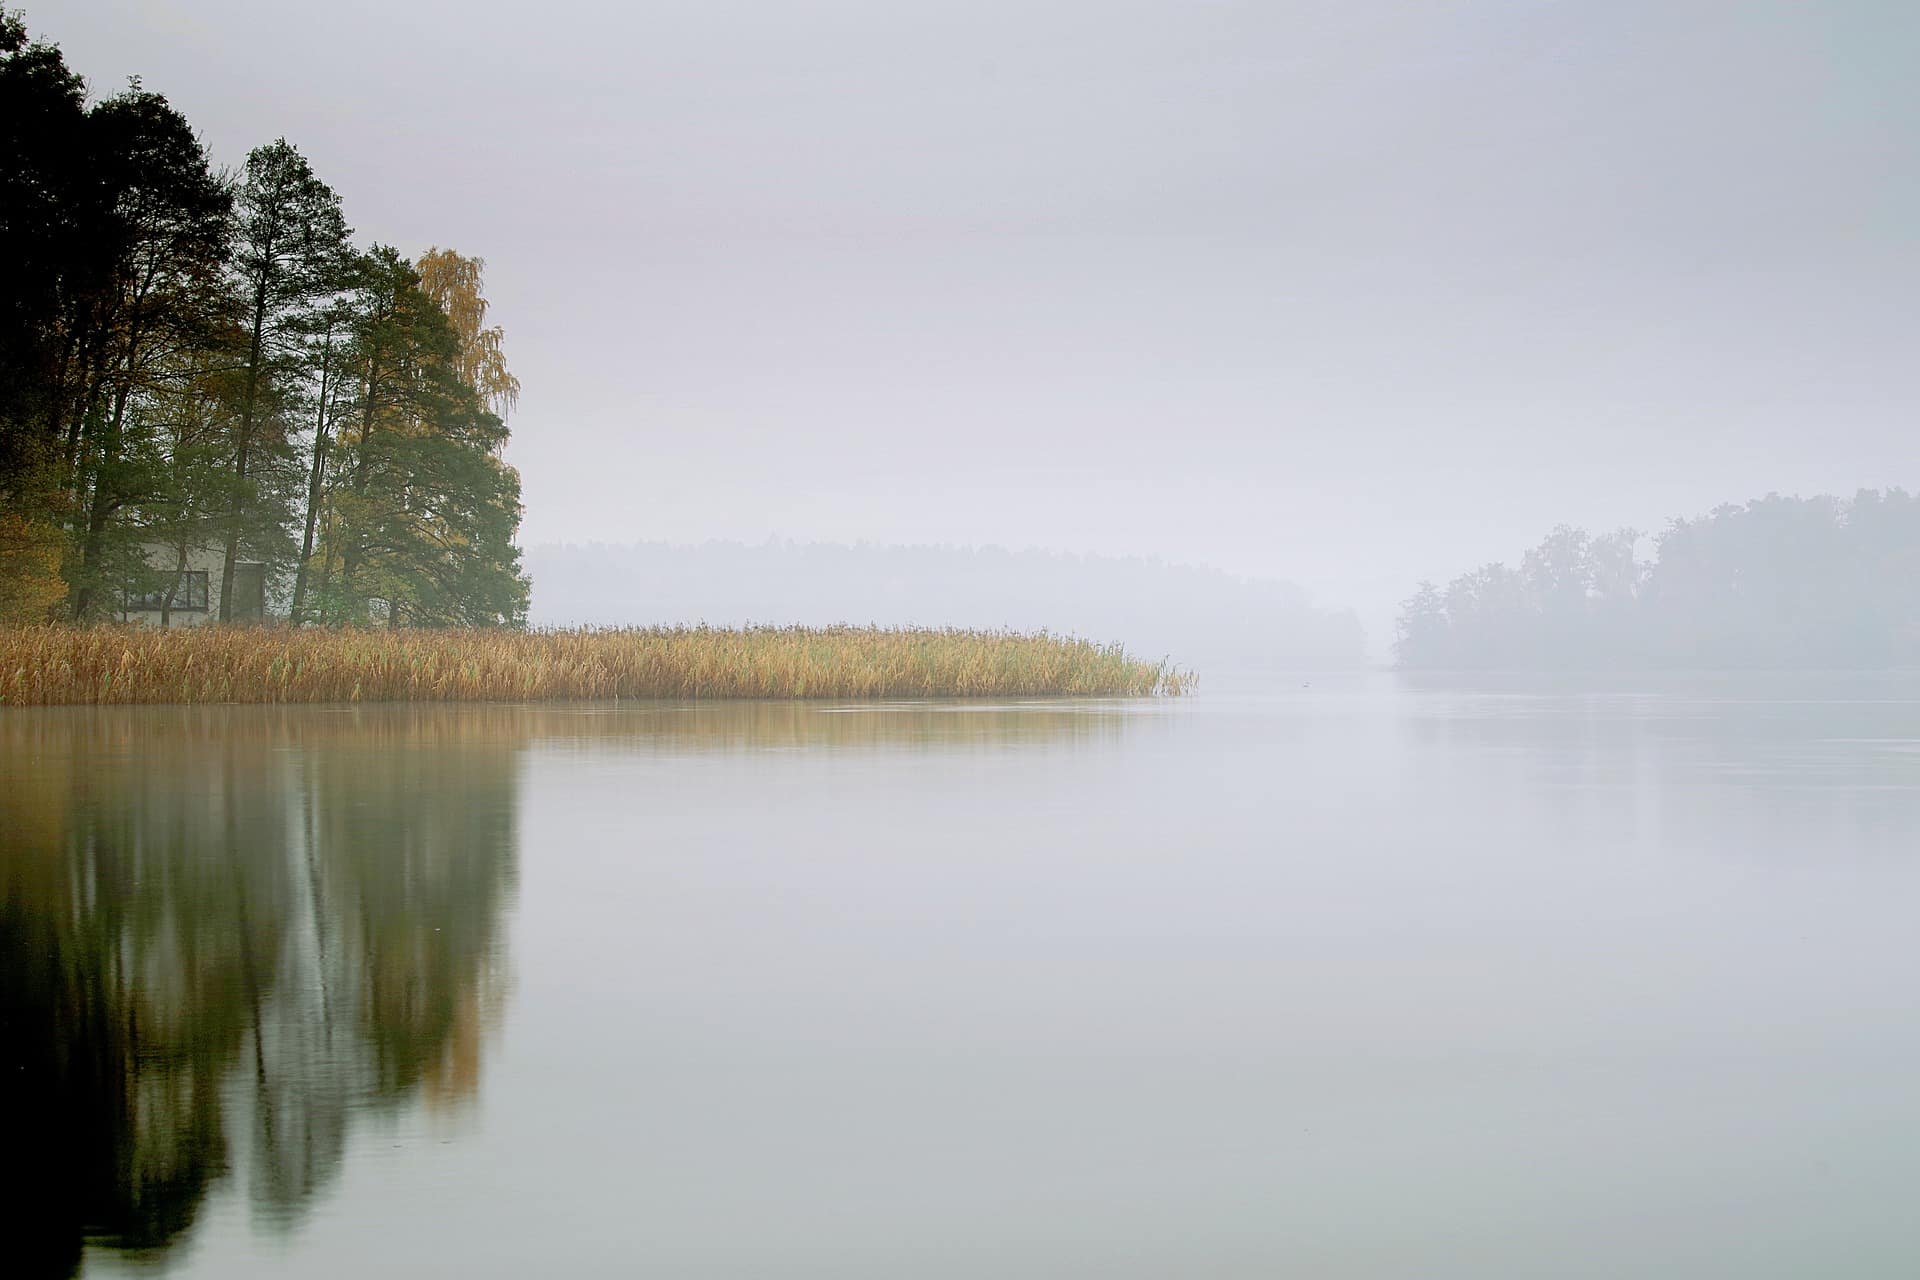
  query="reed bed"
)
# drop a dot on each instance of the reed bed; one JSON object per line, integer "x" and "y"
{"x": 44, "y": 665}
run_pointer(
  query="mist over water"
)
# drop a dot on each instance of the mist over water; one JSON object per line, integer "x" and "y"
{"x": 1192, "y": 616}
{"x": 1344, "y": 975}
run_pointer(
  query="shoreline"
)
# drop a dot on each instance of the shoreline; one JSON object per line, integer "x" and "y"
{"x": 54, "y": 665}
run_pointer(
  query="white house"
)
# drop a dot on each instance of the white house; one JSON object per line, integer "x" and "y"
{"x": 193, "y": 595}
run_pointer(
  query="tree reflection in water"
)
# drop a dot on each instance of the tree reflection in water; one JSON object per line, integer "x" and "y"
{"x": 229, "y": 933}
{"x": 228, "y": 926}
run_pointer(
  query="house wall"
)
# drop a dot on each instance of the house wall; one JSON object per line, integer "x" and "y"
{"x": 207, "y": 560}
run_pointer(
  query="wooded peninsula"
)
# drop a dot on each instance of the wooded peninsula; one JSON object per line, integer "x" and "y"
{"x": 216, "y": 407}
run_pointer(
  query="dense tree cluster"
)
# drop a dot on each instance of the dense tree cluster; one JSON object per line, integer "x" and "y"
{"x": 196, "y": 360}
{"x": 1779, "y": 582}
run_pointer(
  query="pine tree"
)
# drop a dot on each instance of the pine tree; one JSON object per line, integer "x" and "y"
{"x": 290, "y": 251}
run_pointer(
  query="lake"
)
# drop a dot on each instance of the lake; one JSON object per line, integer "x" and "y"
{"x": 1328, "y": 976}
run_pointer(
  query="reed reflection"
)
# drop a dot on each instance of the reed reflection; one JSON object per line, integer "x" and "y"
{"x": 227, "y": 933}
{"x": 751, "y": 725}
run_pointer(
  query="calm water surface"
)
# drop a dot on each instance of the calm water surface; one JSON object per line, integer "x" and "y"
{"x": 1366, "y": 978}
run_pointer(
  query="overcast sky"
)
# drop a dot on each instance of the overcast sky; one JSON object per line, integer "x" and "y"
{"x": 1350, "y": 293}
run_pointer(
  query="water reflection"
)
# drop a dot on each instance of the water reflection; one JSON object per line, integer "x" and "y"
{"x": 683, "y": 727}
{"x": 1215, "y": 987}
{"x": 1713, "y": 759}
{"x": 227, "y": 933}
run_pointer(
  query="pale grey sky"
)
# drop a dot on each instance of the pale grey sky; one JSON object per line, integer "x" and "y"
{"x": 1346, "y": 292}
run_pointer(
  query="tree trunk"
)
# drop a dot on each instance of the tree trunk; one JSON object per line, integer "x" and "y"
{"x": 315, "y": 479}
{"x": 106, "y": 499}
{"x": 84, "y": 362}
{"x": 350, "y": 556}
{"x": 81, "y": 430}
{"x": 254, "y": 348}
{"x": 173, "y": 585}
{"x": 98, "y": 510}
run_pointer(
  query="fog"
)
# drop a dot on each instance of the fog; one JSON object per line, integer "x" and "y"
{"x": 1560, "y": 354}
{"x": 1193, "y": 617}
{"x": 1341, "y": 294}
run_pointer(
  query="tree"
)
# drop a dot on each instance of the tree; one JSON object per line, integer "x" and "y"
{"x": 30, "y": 582}
{"x": 1423, "y": 639}
{"x": 290, "y": 252}
{"x": 50, "y": 206}
{"x": 193, "y": 428}
{"x": 327, "y": 354}
{"x": 43, "y": 168}
{"x": 422, "y": 513}
{"x": 167, "y": 243}
{"x": 454, "y": 283}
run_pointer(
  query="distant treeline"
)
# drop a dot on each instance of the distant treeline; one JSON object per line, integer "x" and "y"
{"x": 1779, "y": 582}
{"x": 199, "y": 367}
{"x": 1197, "y": 616}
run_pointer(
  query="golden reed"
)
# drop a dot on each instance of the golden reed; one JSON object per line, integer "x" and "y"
{"x": 43, "y": 665}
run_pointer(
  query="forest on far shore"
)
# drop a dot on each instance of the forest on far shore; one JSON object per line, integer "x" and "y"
{"x": 1820, "y": 582}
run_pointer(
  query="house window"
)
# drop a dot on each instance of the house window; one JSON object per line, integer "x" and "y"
{"x": 189, "y": 595}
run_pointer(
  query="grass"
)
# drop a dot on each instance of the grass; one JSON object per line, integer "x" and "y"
{"x": 45, "y": 665}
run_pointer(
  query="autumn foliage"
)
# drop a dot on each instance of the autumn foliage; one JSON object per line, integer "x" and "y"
{"x": 30, "y": 582}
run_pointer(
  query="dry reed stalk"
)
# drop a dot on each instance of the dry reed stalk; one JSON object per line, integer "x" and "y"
{"x": 123, "y": 665}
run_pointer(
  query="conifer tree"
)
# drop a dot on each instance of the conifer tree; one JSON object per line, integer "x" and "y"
{"x": 290, "y": 250}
